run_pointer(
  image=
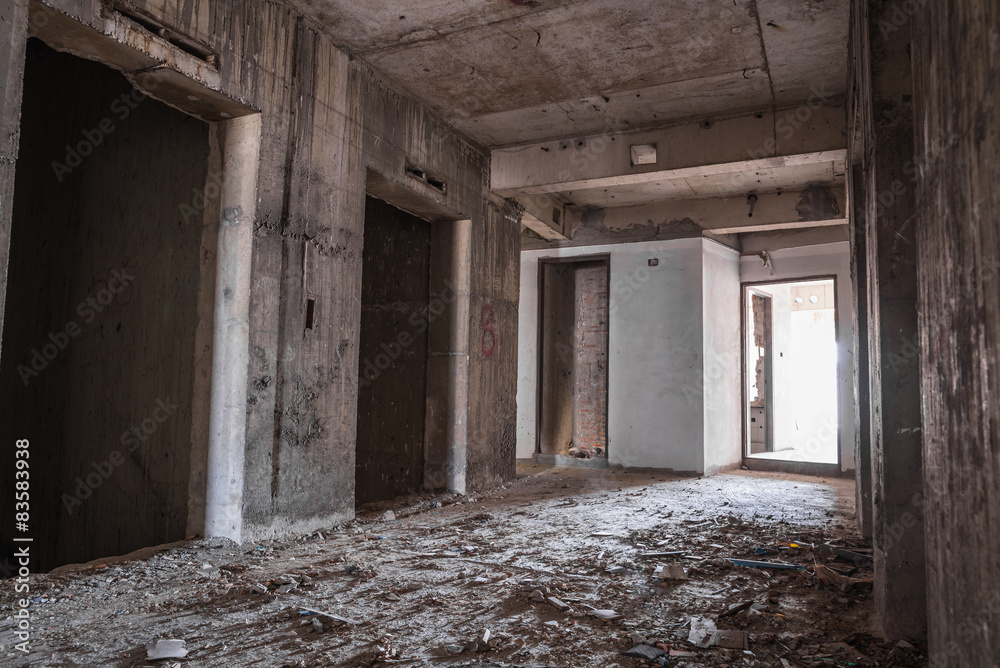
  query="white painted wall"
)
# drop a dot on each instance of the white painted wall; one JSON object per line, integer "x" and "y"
{"x": 660, "y": 389}
{"x": 723, "y": 411}
{"x": 833, "y": 259}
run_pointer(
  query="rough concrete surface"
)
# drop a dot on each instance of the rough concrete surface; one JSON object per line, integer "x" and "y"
{"x": 427, "y": 587}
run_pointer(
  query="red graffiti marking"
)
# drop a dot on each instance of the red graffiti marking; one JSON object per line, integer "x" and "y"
{"x": 486, "y": 319}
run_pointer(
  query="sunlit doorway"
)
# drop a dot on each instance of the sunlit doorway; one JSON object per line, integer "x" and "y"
{"x": 790, "y": 371}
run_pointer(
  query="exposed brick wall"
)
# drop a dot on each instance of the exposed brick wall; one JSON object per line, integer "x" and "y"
{"x": 590, "y": 427}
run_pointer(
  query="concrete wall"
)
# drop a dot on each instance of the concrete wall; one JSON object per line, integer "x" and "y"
{"x": 954, "y": 175}
{"x": 721, "y": 292}
{"x": 657, "y": 370}
{"x": 821, "y": 260}
{"x": 326, "y": 123}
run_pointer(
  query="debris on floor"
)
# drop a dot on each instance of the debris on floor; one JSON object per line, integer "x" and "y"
{"x": 517, "y": 577}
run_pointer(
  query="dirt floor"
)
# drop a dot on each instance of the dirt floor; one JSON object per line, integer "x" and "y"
{"x": 522, "y": 576}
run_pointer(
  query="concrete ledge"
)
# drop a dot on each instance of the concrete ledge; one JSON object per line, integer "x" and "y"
{"x": 564, "y": 460}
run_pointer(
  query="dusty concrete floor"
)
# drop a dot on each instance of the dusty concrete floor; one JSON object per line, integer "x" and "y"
{"x": 425, "y": 587}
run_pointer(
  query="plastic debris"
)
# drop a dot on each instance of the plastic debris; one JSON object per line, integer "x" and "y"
{"x": 166, "y": 649}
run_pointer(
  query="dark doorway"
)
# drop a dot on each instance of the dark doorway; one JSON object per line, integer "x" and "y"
{"x": 392, "y": 385}
{"x": 104, "y": 281}
{"x": 573, "y": 360}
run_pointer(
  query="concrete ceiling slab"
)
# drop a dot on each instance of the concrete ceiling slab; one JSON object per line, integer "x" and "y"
{"x": 624, "y": 110}
{"x": 806, "y": 42}
{"x": 376, "y": 24}
{"x": 508, "y": 72}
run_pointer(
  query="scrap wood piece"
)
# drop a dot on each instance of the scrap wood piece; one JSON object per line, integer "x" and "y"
{"x": 736, "y": 609}
{"x": 828, "y": 576}
{"x": 766, "y": 564}
{"x": 658, "y": 555}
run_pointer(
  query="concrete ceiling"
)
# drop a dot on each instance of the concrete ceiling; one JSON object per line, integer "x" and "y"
{"x": 508, "y": 72}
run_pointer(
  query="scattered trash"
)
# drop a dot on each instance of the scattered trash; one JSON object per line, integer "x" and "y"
{"x": 605, "y": 614}
{"x": 832, "y": 551}
{"x": 389, "y": 516}
{"x": 616, "y": 570}
{"x": 731, "y": 639}
{"x": 761, "y": 552}
{"x": 641, "y": 651}
{"x": 454, "y": 649}
{"x": 317, "y": 625}
{"x": 702, "y": 633}
{"x": 767, "y": 564}
{"x": 670, "y": 572}
{"x": 336, "y": 618}
{"x": 557, "y": 604}
{"x": 736, "y": 609}
{"x": 602, "y": 534}
{"x": 660, "y": 555}
{"x": 166, "y": 649}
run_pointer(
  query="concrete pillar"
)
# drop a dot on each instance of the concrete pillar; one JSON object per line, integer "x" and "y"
{"x": 884, "y": 111}
{"x": 446, "y": 424}
{"x": 862, "y": 386}
{"x": 231, "y": 354}
{"x": 13, "y": 35}
{"x": 956, "y": 66}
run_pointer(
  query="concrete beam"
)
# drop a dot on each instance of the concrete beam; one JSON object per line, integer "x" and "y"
{"x": 544, "y": 215}
{"x": 811, "y": 208}
{"x": 810, "y": 133}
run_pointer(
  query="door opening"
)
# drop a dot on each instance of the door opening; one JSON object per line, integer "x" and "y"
{"x": 790, "y": 372}
{"x": 107, "y": 293}
{"x": 392, "y": 386}
{"x": 573, "y": 361}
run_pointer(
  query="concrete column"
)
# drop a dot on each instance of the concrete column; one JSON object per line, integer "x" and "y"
{"x": 228, "y": 421}
{"x": 956, "y": 66}
{"x": 862, "y": 386}
{"x": 13, "y": 35}
{"x": 884, "y": 101}
{"x": 446, "y": 425}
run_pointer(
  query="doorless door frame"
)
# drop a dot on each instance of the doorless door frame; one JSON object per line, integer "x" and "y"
{"x": 788, "y": 465}
{"x": 193, "y": 85}
{"x": 602, "y": 257}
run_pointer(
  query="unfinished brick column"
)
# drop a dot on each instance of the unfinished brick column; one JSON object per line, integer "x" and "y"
{"x": 883, "y": 111}
{"x": 956, "y": 99}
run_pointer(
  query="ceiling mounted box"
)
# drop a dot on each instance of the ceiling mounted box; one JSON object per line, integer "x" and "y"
{"x": 643, "y": 154}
